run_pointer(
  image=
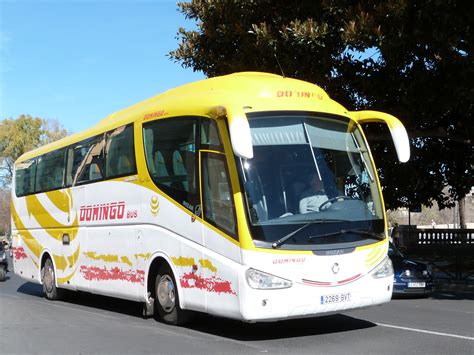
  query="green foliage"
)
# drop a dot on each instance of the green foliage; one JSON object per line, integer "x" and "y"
{"x": 409, "y": 58}
{"x": 18, "y": 136}
{"x": 5, "y": 198}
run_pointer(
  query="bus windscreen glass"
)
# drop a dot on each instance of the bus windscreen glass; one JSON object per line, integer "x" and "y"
{"x": 312, "y": 174}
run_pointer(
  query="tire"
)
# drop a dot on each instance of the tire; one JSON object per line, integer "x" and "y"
{"x": 3, "y": 274}
{"x": 48, "y": 278}
{"x": 166, "y": 308}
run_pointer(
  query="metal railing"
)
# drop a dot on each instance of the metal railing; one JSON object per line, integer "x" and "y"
{"x": 444, "y": 237}
{"x": 449, "y": 251}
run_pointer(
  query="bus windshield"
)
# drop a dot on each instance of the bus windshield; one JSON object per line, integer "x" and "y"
{"x": 310, "y": 183}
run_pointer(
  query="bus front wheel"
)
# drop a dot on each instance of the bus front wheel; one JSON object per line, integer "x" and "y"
{"x": 167, "y": 307}
{"x": 48, "y": 277}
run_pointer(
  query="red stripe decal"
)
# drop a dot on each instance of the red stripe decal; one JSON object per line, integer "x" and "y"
{"x": 325, "y": 283}
{"x": 102, "y": 274}
{"x": 316, "y": 283}
{"x": 349, "y": 279}
{"x": 19, "y": 253}
{"x": 211, "y": 284}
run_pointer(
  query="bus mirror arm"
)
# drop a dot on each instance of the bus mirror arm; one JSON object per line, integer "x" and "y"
{"x": 239, "y": 131}
{"x": 397, "y": 130}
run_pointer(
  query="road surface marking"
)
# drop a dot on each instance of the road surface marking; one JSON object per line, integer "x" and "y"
{"x": 425, "y": 331}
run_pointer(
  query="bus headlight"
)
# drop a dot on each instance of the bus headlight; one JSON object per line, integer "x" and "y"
{"x": 261, "y": 280}
{"x": 384, "y": 269}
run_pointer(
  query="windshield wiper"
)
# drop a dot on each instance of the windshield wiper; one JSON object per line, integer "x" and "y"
{"x": 354, "y": 231}
{"x": 282, "y": 240}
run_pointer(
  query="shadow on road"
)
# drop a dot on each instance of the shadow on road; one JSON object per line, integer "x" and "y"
{"x": 278, "y": 330}
{"x": 129, "y": 308}
{"x": 89, "y": 300}
{"x": 29, "y": 288}
{"x": 450, "y": 295}
{"x": 217, "y": 326}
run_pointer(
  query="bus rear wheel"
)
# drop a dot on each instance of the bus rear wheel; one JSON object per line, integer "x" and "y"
{"x": 167, "y": 309}
{"x": 48, "y": 277}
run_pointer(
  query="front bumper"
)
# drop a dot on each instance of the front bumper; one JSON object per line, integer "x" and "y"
{"x": 301, "y": 300}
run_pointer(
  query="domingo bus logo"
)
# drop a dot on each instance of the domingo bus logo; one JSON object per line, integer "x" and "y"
{"x": 102, "y": 212}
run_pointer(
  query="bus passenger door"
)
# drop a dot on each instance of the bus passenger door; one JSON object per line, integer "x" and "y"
{"x": 70, "y": 251}
{"x": 222, "y": 255}
{"x": 74, "y": 238}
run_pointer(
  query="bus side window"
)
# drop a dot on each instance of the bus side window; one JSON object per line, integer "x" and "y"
{"x": 217, "y": 193}
{"x": 69, "y": 162}
{"x": 170, "y": 151}
{"x": 87, "y": 160}
{"x": 210, "y": 135}
{"x": 120, "y": 153}
{"x": 25, "y": 178}
{"x": 50, "y": 171}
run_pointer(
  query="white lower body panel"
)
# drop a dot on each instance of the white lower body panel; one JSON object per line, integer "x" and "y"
{"x": 300, "y": 301}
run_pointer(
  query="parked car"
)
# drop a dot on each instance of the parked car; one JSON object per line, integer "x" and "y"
{"x": 3, "y": 263}
{"x": 411, "y": 277}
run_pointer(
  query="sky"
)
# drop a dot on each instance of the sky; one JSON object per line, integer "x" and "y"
{"x": 79, "y": 61}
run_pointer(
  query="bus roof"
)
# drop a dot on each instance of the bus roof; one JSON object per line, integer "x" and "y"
{"x": 253, "y": 91}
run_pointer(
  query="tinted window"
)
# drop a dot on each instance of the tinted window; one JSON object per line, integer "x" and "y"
{"x": 170, "y": 150}
{"x": 216, "y": 193}
{"x": 119, "y": 153}
{"x": 210, "y": 134}
{"x": 50, "y": 171}
{"x": 25, "y": 177}
{"x": 85, "y": 162}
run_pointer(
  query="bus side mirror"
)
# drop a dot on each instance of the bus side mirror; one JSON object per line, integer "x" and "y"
{"x": 239, "y": 131}
{"x": 397, "y": 130}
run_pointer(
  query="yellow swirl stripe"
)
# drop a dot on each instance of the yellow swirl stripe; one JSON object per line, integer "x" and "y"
{"x": 182, "y": 261}
{"x": 108, "y": 258}
{"x": 372, "y": 260}
{"x": 46, "y": 221}
{"x": 207, "y": 264}
{"x": 62, "y": 263}
{"x": 126, "y": 260}
{"x": 143, "y": 256}
{"x": 60, "y": 199}
{"x": 154, "y": 206}
{"x": 73, "y": 258}
{"x": 372, "y": 253}
{"x": 63, "y": 280}
{"x": 36, "y": 248}
{"x": 25, "y": 235}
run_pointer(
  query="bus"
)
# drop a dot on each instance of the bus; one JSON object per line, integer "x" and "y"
{"x": 250, "y": 196}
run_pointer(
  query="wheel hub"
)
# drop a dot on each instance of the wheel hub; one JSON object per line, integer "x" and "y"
{"x": 166, "y": 293}
{"x": 48, "y": 277}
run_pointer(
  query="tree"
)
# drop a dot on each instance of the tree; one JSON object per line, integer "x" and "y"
{"x": 4, "y": 212}
{"x": 409, "y": 58}
{"x": 20, "y": 135}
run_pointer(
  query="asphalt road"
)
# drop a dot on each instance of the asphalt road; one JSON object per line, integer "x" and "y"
{"x": 90, "y": 324}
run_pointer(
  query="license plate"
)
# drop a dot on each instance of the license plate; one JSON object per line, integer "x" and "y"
{"x": 417, "y": 284}
{"x": 336, "y": 298}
